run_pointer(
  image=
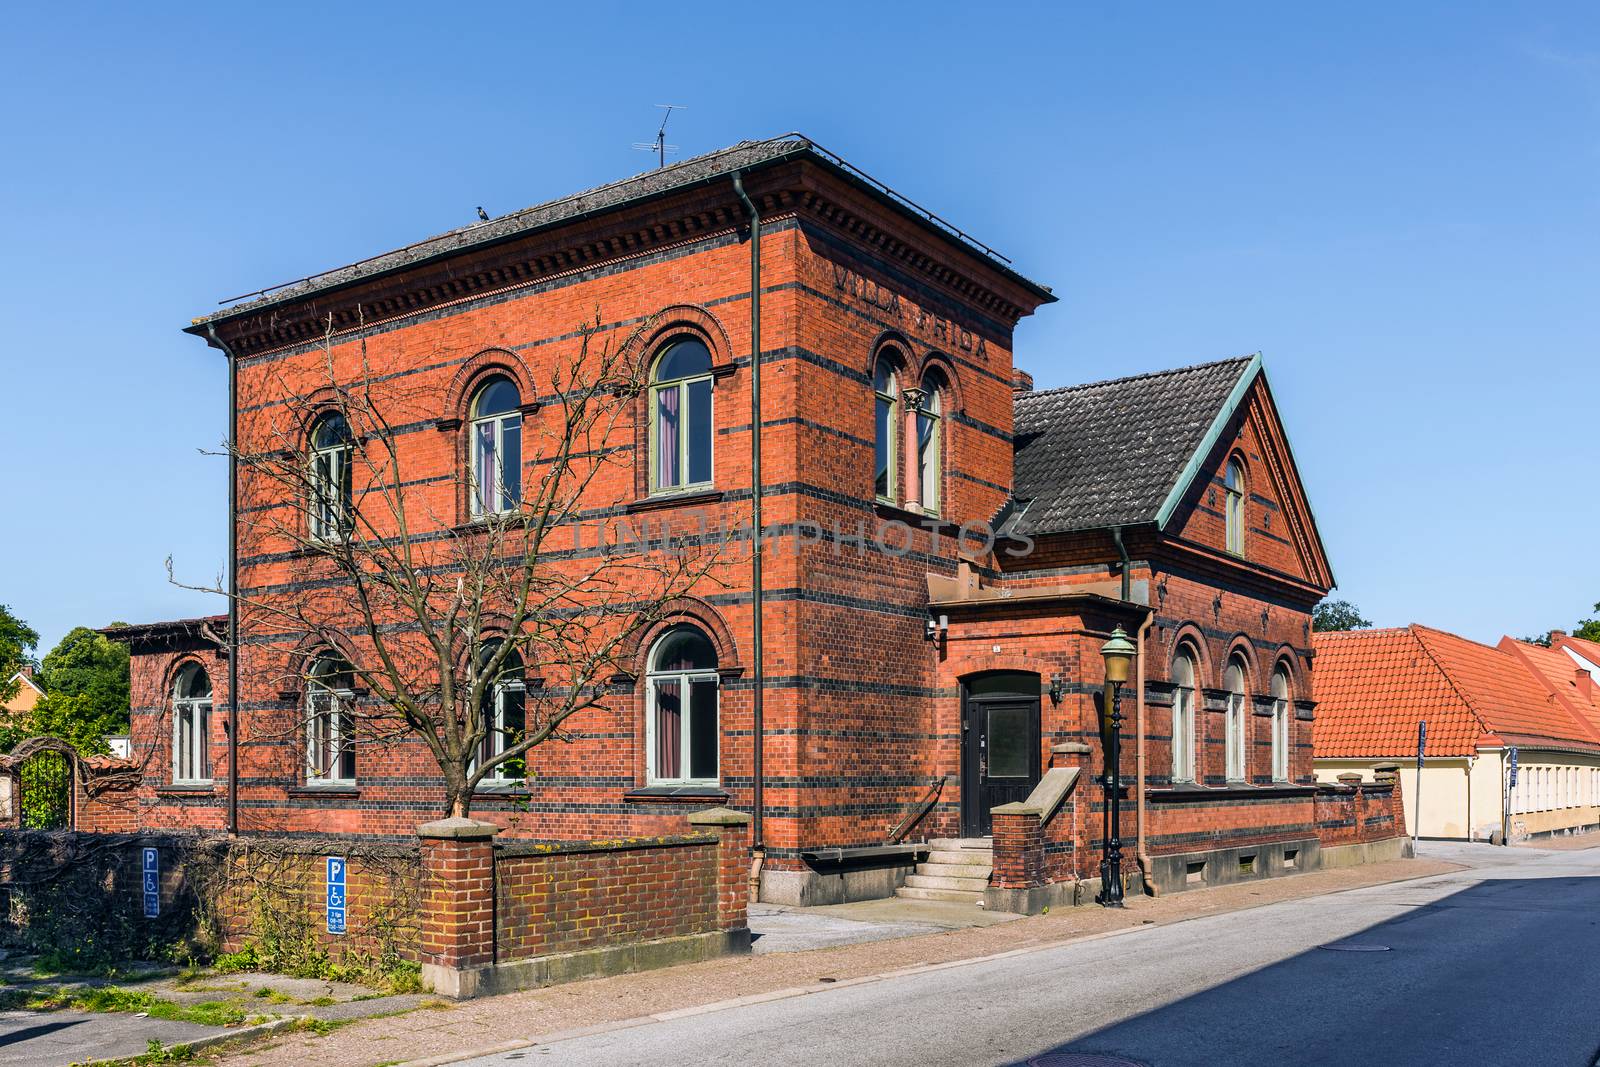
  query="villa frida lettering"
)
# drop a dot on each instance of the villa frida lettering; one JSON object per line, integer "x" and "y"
{"x": 943, "y": 331}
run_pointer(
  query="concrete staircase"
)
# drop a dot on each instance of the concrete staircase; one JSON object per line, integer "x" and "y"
{"x": 956, "y": 869}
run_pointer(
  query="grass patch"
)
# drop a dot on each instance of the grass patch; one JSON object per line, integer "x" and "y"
{"x": 117, "y": 999}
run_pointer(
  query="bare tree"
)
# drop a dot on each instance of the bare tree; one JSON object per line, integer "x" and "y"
{"x": 482, "y": 638}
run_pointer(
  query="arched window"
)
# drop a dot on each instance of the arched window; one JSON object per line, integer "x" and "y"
{"x": 680, "y": 418}
{"x": 1233, "y": 488}
{"x": 1233, "y": 748}
{"x": 330, "y": 722}
{"x": 496, "y": 448}
{"x": 1183, "y": 705}
{"x": 330, "y": 501}
{"x": 886, "y": 404}
{"x": 504, "y": 715}
{"x": 682, "y": 735}
{"x": 930, "y": 435}
{"x": 191, "y": 726}
{"x": 1280, "y": 724}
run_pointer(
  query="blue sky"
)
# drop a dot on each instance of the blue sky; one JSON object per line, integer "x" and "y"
{"x": 1395, "y": 203}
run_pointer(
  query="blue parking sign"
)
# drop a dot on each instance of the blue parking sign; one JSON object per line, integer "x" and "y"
{"x": 336, "y": 894}
{"x": 152, "y": 883}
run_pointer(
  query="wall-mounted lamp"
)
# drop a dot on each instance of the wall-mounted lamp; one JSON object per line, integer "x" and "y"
{"x": 1055, "y": 689}
{"x": 936, "y": 627}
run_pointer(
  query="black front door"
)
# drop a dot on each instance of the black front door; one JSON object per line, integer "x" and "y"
{"x": 1000, "y": 745}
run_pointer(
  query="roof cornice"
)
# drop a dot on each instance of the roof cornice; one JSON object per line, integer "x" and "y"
{"x": 1213, "y": 434}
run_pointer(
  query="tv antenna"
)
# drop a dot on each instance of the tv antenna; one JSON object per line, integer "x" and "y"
{"x": 660, "y": 146}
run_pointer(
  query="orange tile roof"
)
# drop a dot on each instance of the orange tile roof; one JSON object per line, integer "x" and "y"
{"x": 1589, "y": 650}
{"x": 1567, "y": 683}
{"x": 1373, "y": 686}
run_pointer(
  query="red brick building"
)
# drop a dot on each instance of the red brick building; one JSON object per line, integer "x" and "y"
{"x": 912, "y": 679}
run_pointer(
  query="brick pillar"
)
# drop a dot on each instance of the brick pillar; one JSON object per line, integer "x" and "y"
{"x": 458, "y": 904}
{"x": 733, "y": 863}
{"x": 1018, "y": 847}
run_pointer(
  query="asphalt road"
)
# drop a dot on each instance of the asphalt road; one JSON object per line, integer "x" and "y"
{"x": 1496, "y": 964}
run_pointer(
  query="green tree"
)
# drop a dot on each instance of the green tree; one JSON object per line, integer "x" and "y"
{"x": 1331, "y": 615}
{"x": 1588, "y": 629}
{"x": 17, "y": 640}
{"x": 85, "y": 682}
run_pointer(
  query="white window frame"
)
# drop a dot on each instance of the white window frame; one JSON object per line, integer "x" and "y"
{"x": 494, "y": 740}
{"x": 683, "y": 678}
{"x": 682, "y": 386}
{"x": 341, "y": 705}
{"x": 1235, "y": 765}
{"x": 930, "y": 466}
{"x": 1183, "y": 720}
{"x": 1234, "y": 488}
{"x": 324, "y": 526}
{"x": 893, "y": 398}
{"x": 1280, "y": 724}
{"x": 196, "y": 713}
{"x": 498, "y": 424}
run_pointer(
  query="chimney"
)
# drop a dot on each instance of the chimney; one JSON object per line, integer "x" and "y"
{"x": 1556, "y": 636}
{"x": 1021, "y": 381}
{"x": 1584, "y": 682}
{"x": 27, "y": 670}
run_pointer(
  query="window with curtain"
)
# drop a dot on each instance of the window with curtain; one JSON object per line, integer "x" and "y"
{"x": 1233, "y": 748}
{"x": 682, "y": 733}
{"x": 681, "y": 418}
{"x": 886, "y": 408}
{"x": 1183, "y": 704}
{"x": 330, "y": 722}
{"x": 331, "y": 496}
{"x": 504, "y": 716}
{"x": 496, "y": 429}
{"x": 1233, "y": 487}
{"x": 930, "y": 432}
{"x": 191, "y": 726}
{"x": 1280, "y": 724}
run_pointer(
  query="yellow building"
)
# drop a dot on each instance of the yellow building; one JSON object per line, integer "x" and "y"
{"x": 26, "y": 696}
{"x": 1480, "y": 703}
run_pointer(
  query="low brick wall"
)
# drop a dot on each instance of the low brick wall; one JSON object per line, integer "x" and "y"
{"x": 1353, "y": 812}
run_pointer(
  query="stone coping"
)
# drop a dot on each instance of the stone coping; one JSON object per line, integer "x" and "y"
{"x": 620, "y": 844}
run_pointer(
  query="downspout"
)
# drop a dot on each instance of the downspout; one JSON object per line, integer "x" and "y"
{"x": 233, "y": 579}
{"x": 1141, "y": 856}
{"x": 757, "y": 731}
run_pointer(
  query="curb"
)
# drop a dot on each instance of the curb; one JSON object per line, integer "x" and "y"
{"x": 244, "y": 1033}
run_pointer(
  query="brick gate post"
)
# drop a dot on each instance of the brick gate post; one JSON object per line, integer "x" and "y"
{"x": 733, "y": 863}
{"x": 458, "y": 904}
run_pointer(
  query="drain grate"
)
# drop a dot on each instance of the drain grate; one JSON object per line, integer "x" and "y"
{"x": 1081, "y": 1059}
{"x": 1345, "y": 946}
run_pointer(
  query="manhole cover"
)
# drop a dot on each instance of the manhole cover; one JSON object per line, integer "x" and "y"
{"x": 1336, "y": 947}
{"x": 1081, "y": 1059}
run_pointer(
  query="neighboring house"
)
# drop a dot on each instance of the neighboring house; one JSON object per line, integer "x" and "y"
{"x": 908, "y": 683}
{"x": 1375, "y": 686}
{"x": 27, "y": 694}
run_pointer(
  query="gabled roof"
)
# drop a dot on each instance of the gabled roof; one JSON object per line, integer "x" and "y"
{"x": 27, "y": 681}
{"x": 742, "y": 157}
{"x": 1121, "y": 452}
{"x": 1374, "y": 686}
{"x": 1568, "y": 684}
{"x": 1579, "y": 649}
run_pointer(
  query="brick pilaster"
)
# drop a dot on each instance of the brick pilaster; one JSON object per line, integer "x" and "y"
{"x": 458, "y": 909}
{"x": 733, "y": 863}
{"x": 1018, "y": 847}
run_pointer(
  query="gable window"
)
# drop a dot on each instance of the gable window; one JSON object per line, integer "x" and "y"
{"x": 1280, "y": 724}
{"x": 929, "y": 435}
{"x": 330, "y": 722}
{"x": 1233, "y": 488}
{"x": 504, "y": 716}
{"x": 1233, "y": 746}
{"x": 191, "y": 726}
{"x": 682, "y": 735}
{"x": 496, "y": 448}
{"x": 886, "y": 407}
{"x": 1183, "y": 700}
{"x": 680, "y": 418}
{"x": 330, "y": 478}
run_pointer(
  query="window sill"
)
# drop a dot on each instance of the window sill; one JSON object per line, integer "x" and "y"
{"x": 329, "y": 789}
{"x": 921, "y": 519}
{"x": 658, "y": 501}
{"x": 687, "y": 793}
{"x": 189, "y": 789}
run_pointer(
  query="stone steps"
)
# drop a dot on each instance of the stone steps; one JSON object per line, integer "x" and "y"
{"x": 957, "y": 869}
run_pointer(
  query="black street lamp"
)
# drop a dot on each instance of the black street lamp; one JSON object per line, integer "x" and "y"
{"x": 1118, "y": 655}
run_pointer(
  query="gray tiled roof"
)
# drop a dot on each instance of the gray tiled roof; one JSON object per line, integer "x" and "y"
{"x": 673, "y": 177}
{"x": 1109, "y": 453}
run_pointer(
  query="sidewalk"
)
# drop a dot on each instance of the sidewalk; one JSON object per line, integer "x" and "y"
{"x": 473, "y": 1026}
